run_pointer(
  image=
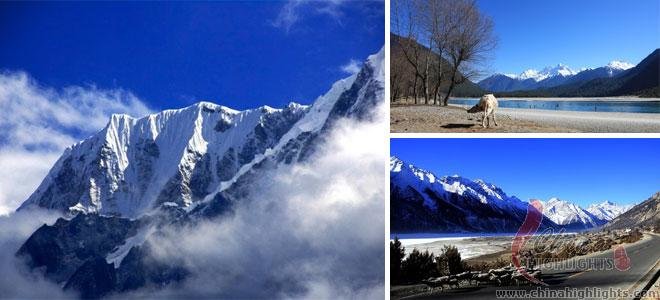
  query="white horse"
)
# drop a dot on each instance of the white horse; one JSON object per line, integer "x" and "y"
{"x": 487, "y": 104}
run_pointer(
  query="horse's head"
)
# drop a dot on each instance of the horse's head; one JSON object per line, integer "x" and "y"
{"x": 475, "y": 109}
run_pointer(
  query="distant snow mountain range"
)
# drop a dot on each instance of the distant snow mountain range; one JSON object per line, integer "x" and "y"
{"x": 547, "y": 72}
{"x": 550, "y": 77}
{"x": 424, "y": 202}
{"x": 608, "y": 210}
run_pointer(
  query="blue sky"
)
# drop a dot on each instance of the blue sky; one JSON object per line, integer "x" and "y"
{"x": 170, "y": 55}
{"x": 583, "y": 171}
{"x": 585, "y": 33}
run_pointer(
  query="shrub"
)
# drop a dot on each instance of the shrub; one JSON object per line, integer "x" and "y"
{"x": 449, "y": 261}
{"x": 397, "y": 252}
{"x": 418, "y": 266}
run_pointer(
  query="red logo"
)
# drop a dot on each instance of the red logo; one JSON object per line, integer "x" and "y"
{"x": 621, "y": 259}
{"x": 526, "y": 230}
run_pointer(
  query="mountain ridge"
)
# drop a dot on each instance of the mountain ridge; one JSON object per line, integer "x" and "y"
{"x": 425, "y": 202}
{"x": 210, "y": 143}
{"x": 550, "y": 77}
{"x": 642, "y": 80}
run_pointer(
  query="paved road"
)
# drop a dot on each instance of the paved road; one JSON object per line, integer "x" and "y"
{"x": 643, "y": 256}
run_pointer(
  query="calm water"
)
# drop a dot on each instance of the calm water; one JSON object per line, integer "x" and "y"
{"x": 608, "y": 106}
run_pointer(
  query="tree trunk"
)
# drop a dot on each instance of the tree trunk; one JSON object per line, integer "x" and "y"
{"x": 426, "y": 81}
{"x": 445, "y": 101}
{"x": 415, "y": 89}
{"x": 435, "y": 94}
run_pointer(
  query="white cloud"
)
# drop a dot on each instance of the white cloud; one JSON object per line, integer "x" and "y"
{"x": 352, "y": 67}
{"x": 313, "y": 230}
{"x": 38, "y": 123}
{"x": 17, "y": 281}
{"x": 294, "y": 11}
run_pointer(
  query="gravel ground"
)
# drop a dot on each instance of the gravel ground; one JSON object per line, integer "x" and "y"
{"x": 422, "y": 118}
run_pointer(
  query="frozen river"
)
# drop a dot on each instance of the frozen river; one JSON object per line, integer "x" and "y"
{"x": 468, "y": 246}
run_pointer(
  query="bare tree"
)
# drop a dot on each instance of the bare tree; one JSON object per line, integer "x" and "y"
{"x": 442, "y": 43}
{"x": 405, "y": 18}
{"x": 434, "y": 18}
{"x": 469, "y": 42}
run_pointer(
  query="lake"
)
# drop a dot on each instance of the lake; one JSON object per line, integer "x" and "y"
{"x": 608, "y": 105}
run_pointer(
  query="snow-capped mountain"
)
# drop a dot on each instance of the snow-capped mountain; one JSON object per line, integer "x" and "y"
{"x": 528, "y": 80}
{"x": 547, "y": 72}
{"x": 184, "y": 156}
{"x": 527, "y": 74}
{"x": 172, "y": 168}
{"x": 620, "y": 65}
{"x": 572, "y": 216}
{"x": 423, "y": 202}
{"x": 550, "y": 77}
{"x": 614, "y": 68}
{"x": 607, "y": 210}
{"x": 569, "y": 215}
{"x": 176, "y": 156}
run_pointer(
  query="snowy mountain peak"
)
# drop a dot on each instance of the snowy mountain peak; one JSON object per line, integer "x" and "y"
{"x": 398, "y": 165}
{"x": 120, "y": 117}
{"x": 547, "y": 72}
{"x": 190, "y": 155}
{"x": 607, "y": 210}
{"x": 479, "y": 190}
{"x": 178, "y": 156}
{"x": 528, "y": 74}
{"x": 620, "y": 65}
{"x": 293, "y": 106}
{"x": 269, "y": 110}
{"x": 395, "y": 164}
{"x": 203, "y": 106}
{"x": 568, "y": 214}
{"x": 559, "y": 69}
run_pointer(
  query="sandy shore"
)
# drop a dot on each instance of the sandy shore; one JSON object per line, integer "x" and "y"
{"x": 600, "y": 99}
{"x": 421, "y": 118}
